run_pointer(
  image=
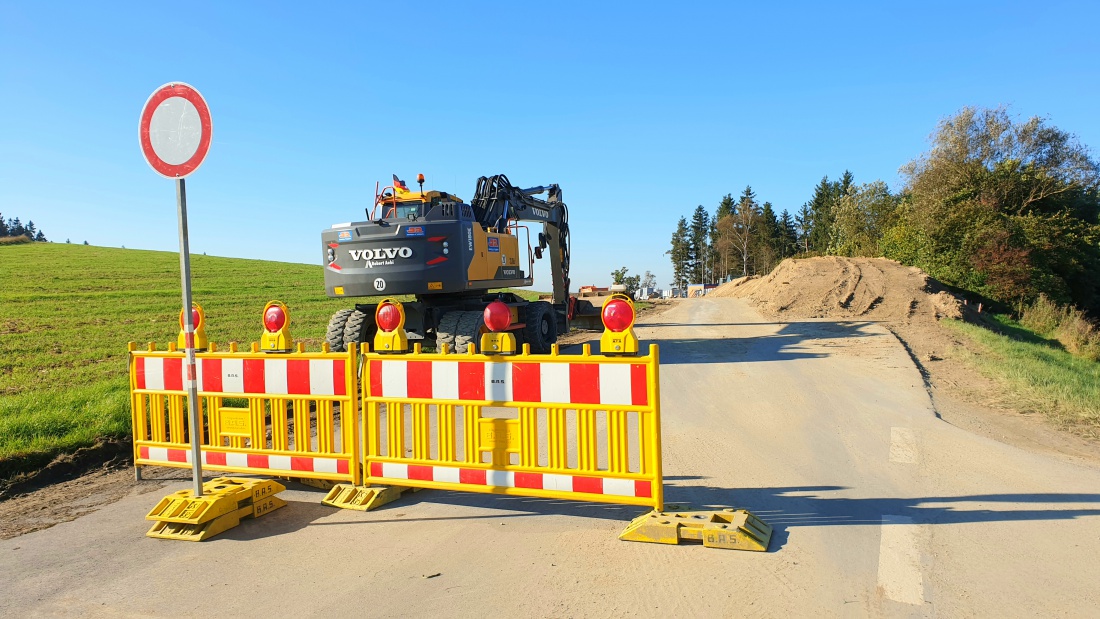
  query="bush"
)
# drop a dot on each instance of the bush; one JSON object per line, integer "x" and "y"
{"x": 14, "y": 240}
{"x": 1067, "y": 324}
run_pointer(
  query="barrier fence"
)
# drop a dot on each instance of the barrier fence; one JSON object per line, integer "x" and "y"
{"x": 292, "y": 414}
{"x": 578, "y": 427}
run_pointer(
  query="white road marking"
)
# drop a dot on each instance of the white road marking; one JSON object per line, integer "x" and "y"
{"x": 903, "y": 446}
{"x": 899, "y": 573}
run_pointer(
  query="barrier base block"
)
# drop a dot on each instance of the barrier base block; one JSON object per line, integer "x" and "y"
{"x": 729, "y": 528}
{"x": 224, "y": 503}
{"x": 320, "y": 484}
{"x": 363, "y": 498}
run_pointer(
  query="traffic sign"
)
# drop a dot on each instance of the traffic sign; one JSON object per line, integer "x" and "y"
{"x": 175, "y": 130}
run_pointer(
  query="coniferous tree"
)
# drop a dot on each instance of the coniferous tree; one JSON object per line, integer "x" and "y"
{"x": 804, "y": 223}
{"x": 30, "y": 230}
{"x": 767, "y": 240}
{"x": 821, "y": 213}
{"x": 3, "y": 226}
{"x": 699, "y": 245}
{"x": 679, "y": 253}
{"x": 789, "y": 235}
{"x": 41, "y": 238}
{"x": 15, "y": 227}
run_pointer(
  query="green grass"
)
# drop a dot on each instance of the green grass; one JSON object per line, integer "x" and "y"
{"x": 1039, "y": 374}
{"x": 68, "y": 311}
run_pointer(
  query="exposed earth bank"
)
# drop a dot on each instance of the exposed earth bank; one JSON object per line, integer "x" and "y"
{"x": 910, "y": 304}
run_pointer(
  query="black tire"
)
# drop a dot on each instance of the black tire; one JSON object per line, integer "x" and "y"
{"x": 360, "y": 328}
{"x": 541, "y": 331}
{"x": 470, "y": 327}
{"x": 335, "y": 334}
{"x": 446, "y": 331}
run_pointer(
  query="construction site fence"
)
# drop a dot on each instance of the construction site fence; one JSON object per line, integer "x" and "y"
{"x": 578, "y": 427}
{"x": 293, "y": 414}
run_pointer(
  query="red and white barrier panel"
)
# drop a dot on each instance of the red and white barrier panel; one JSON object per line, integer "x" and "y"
{"x": 291, "y": 464}
{"x": 272, "y": 376}
{"x": 547, "y": 383}
{"x": 585, "y": 484}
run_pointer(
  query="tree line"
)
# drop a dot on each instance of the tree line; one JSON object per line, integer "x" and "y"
{"x": 14, "y": 227}
{"x": 1004, "y": 208}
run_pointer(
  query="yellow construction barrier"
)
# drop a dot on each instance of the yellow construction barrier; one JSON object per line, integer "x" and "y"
{"x": 293, "y": 414}
{"x": 225, "y": 501}
{"x": 581, "y": 427}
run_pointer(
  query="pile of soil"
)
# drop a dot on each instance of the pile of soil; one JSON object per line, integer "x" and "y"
{"x": 910, "y": 304}
{"x": 837, "y": 288}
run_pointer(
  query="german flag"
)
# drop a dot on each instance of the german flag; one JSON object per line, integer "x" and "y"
{"x": 399, "y": 185}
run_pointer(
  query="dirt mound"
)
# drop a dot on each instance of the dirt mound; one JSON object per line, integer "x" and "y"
{"x": 846, "y": 289}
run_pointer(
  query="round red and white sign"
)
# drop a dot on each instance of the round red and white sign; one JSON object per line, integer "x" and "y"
{"x": 175, "y": 130}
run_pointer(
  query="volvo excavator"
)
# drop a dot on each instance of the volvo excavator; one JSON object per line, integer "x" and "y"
{"x": 450, "y": 255}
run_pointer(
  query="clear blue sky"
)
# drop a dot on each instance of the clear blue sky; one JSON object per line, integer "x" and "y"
{"x": 640, "y": 112}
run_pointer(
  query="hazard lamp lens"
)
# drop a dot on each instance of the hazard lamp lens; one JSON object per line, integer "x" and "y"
{"x": 389, "y": 317}
{"x": 497, "y": 316}
{"x": 274, "y": 318}
{"x": 195, "y": 318}
{"x": 617, "y": 315}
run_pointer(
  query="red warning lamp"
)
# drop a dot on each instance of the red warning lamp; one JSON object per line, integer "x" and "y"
{"x": 618, "y": 315}
{"x": 498, "y": 341}
{"x": 276, "y": 337}
{"x": 498, "y": 317}
{"x": 196, "y": 318}
{"x": 618, "y": 321}
{"x": 388, "y": 317}
{"x": 274, "y": 318}
{"x": 198, "y": 322}
{"x": 391, "y": 336}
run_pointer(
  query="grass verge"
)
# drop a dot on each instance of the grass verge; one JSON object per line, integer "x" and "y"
{"x": 68, "y": 311}
{"x": 1038, "y": 373}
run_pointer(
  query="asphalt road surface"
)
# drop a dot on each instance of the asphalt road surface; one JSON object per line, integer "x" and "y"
{"x": 824, "y": 430}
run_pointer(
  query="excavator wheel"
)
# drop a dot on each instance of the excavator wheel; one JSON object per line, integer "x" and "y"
{"x": 542, "y": 329}
{"x": 359, "y": 328}
{"x": 471, "y": 325}
{"x": 448, "y": 327}
{"x": 335, "y": 334}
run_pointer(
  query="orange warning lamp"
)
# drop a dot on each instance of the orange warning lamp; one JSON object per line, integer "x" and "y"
{"x": 498, "y": 341}
{"x": 618, "y": 323}
{"x": 420, "y": 181}
{"x": 390, "y": 318}
{"x": 276, "y": 337}
{"x": 198, "y": 321}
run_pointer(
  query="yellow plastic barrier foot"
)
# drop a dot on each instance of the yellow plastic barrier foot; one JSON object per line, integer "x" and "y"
{"x": 320, "y": 484}
{"x": 224, "y": 503}
{"x": 363, "y": 498}
{"x": 729, "y": 528}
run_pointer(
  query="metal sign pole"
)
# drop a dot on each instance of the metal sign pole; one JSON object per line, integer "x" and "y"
{"x": 189, "y": 333}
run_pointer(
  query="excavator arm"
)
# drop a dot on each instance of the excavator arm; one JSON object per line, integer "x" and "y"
{"x": 496, "y": 202}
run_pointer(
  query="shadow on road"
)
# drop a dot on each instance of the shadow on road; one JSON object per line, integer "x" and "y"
{"x": 785, "y": 344}
{"x": 782, "y": 508}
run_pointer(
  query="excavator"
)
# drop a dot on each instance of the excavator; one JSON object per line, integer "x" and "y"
{"x": 454, "y": 259}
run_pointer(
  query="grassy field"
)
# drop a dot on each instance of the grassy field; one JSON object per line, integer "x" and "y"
{"x": 1038, "y": 372}
{"x": 68, "y": 311}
